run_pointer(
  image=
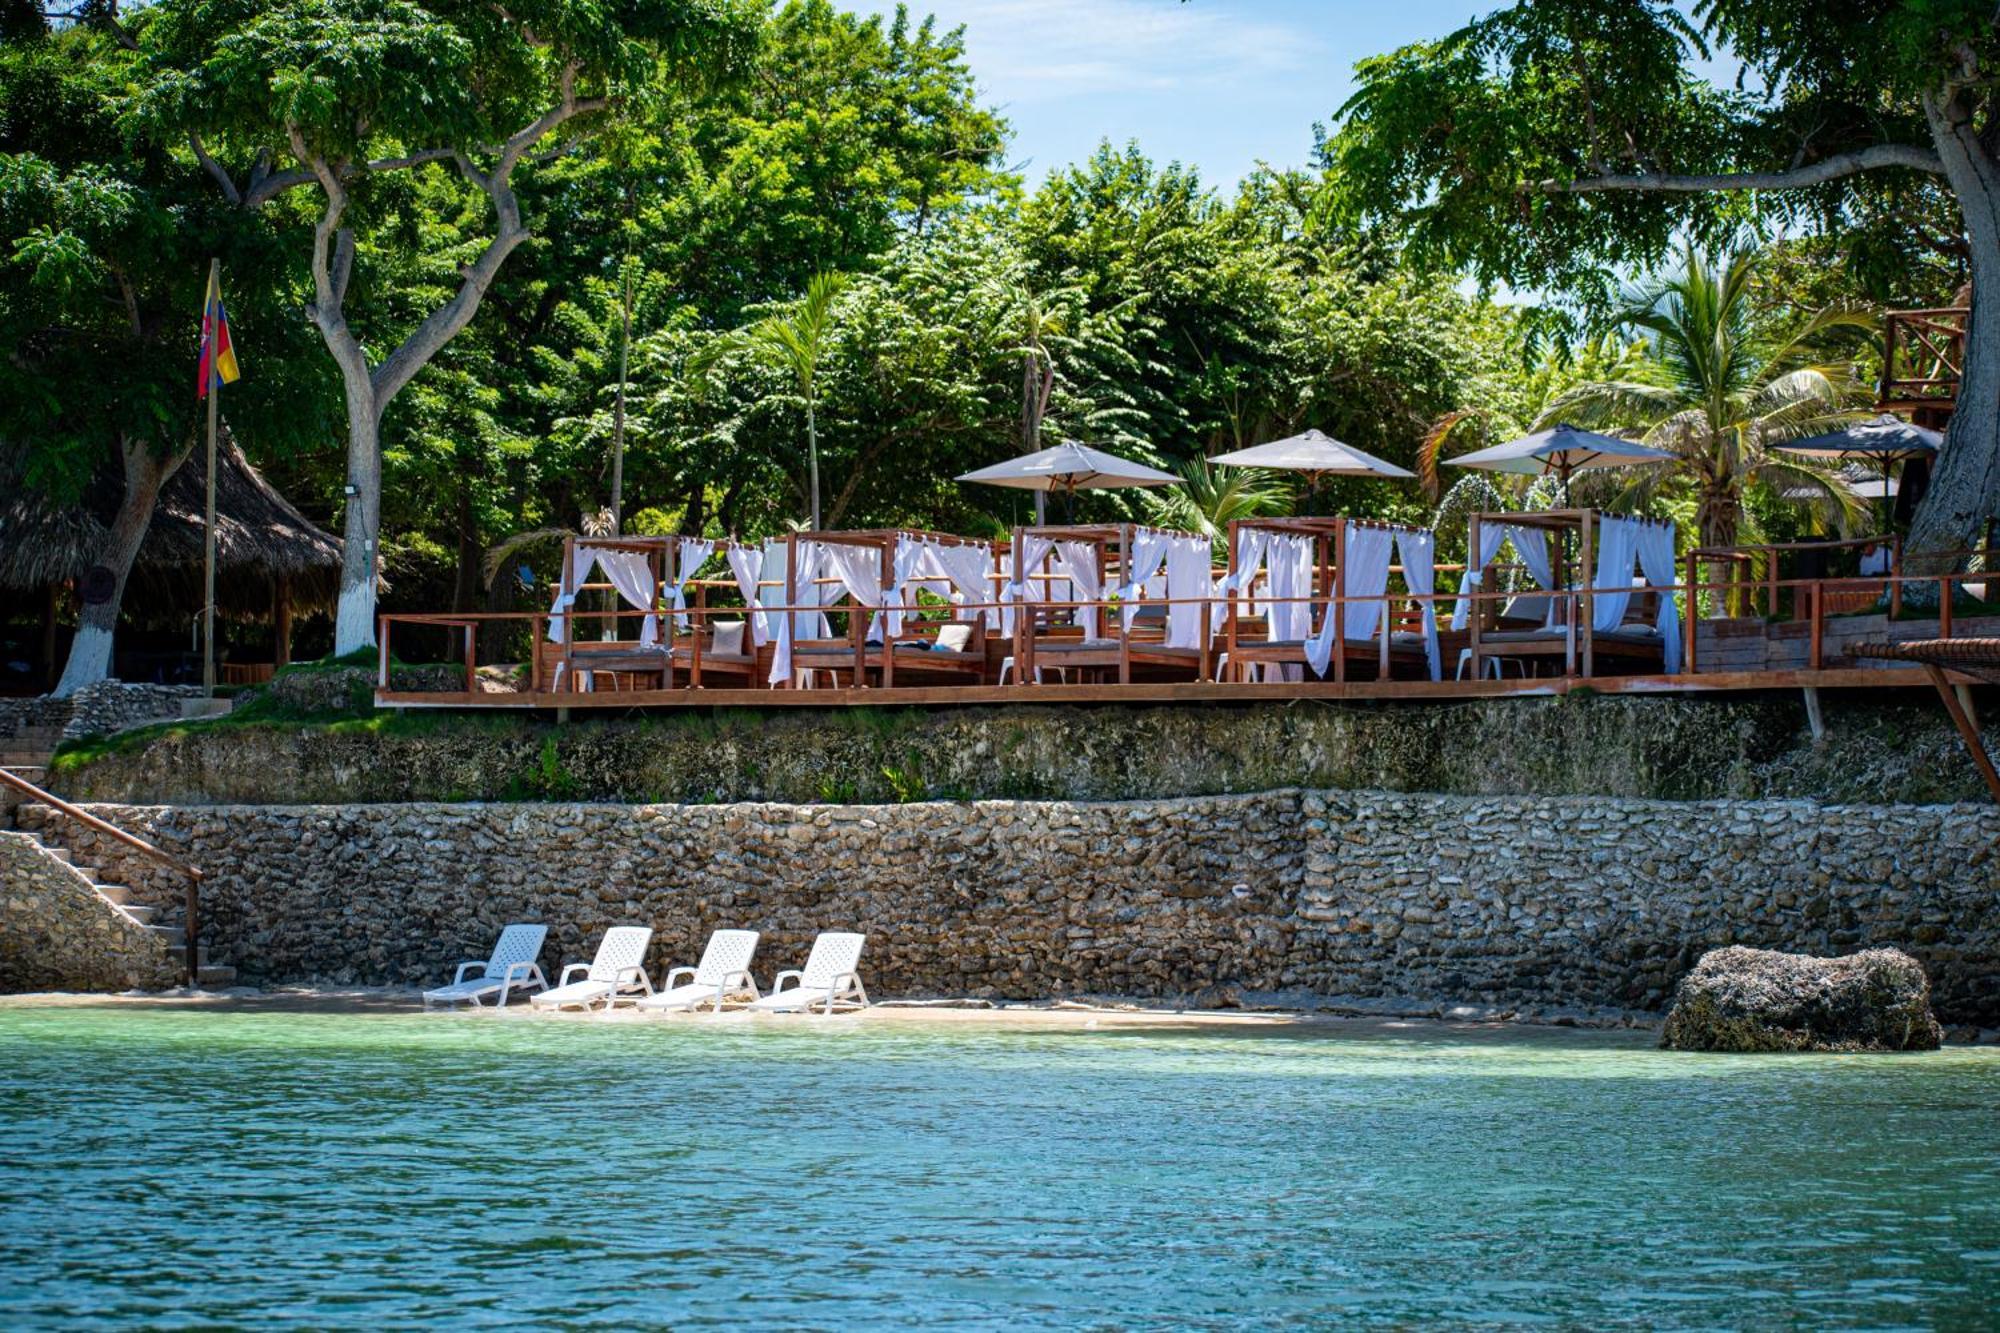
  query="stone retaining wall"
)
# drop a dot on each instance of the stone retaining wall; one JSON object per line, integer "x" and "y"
{"x": 1500, "y": 900}
{"x": 58, "y": 933}
{"x": 96, "y": 709}
{"x": 1896, "y": 748}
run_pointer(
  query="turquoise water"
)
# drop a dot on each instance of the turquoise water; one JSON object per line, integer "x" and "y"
{"x": 180, "y": 1169}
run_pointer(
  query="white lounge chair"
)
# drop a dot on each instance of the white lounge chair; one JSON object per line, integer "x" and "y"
{"x": 512, "y": 965}
{"x": 828, "y": 980}
{"x": 618, "y": 972}
{"x": 724, "y": 970}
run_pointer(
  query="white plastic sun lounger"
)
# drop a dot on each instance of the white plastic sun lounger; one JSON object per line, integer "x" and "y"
{"x": 512, "y": 966}
{"x": 828, "y": 981}
{"x": 618, "y": 972}
{"x": 724, "y": 970}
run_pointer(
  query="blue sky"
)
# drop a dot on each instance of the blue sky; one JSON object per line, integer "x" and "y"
{"x": 1219, "y": 84}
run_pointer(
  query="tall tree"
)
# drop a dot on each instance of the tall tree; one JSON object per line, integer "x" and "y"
{"x": 348, "y": 91}
{"x": 1551, "y": 143}
{"x": 100, "y": 293}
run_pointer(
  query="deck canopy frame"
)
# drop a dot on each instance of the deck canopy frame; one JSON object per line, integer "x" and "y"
{"x": 851, "y": 652}
{"x": 1113, "y": 648}
{"x": 1574, "y": 573}
{"x": 1329, "y": 591}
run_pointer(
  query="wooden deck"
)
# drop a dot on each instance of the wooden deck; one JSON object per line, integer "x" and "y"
{"x": 1222, "y": 692}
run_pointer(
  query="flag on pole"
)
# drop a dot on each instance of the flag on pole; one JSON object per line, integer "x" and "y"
{"x": 218, "y": 354}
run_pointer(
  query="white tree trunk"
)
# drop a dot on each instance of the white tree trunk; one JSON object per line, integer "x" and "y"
{"x": 1965, "y": 486}
{"x": 354, "y": 617}
{"x": 90, "y": 651}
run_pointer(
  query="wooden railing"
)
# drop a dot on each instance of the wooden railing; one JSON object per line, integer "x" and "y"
{"x": 190, "y": 930}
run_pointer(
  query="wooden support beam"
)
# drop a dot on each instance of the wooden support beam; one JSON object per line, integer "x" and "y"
{"x": 1968, "y": 730}
{"x": 1814, "y": 719}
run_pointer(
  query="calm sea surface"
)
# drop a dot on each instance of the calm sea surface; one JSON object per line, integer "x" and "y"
{"x": 180, "y": 1169}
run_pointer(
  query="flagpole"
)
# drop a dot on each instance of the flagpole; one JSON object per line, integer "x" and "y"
{"x": 208, "y": 559}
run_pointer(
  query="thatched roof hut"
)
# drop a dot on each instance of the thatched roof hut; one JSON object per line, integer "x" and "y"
{"x": 261, "y": 542}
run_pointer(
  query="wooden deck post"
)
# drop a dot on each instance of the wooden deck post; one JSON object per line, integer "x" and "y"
{"x": 1690, "y": 614}
{"x": 1336, "y": 606}
{"x": 1474, "y": 594}
{"x": 1104, "y": 587}
{"x": 1586, "y": 574}
{"x": 281, "y": 622}
{"x": 1234, "y": 667}
{"x": 1817, "y": 623}
{"x": 701, "y": 628}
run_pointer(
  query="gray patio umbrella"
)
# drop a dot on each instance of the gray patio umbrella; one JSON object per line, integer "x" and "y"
{"x": 1561, "y": 451}
{"x": 1883, "y": 441}
{"x": 1070, "y": 467}
{"x": 1317, "y": 455}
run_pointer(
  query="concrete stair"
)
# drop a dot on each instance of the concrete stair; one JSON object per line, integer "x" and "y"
{"x": 166, "y": 923}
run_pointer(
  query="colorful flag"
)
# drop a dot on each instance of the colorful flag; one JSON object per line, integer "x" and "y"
{"x": 218, "y": 354}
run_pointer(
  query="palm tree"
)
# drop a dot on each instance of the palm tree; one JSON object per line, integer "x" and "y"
{"x": 1208, "y": 499}
{"x": 791, "y": 342}
{"x": 1725, "y": 385}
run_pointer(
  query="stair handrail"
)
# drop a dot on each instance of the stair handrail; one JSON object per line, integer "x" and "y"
{"x": 136, "y": 843}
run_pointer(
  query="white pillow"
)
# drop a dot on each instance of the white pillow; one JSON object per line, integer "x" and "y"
{"x": 954, "y": 638}
{"x": 728, "y": 639}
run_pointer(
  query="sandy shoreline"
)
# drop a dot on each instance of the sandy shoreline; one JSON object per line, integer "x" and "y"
{"x": 1098, "y": 1014}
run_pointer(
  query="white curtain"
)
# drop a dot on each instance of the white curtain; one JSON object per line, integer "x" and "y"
{"x": 1531, "y": 544}
{"x": 576, "y": 570}
{"x": 1190, "y": 573}
{"x": 799, "y": 624}
{"x": 1077, "y": 562}
{"x": 966, "y": 567}
{"x": 631, "y": 573}
{"x": 689, "y": 556}
{"x": 1656, "y": 558}
{"x": 1416, "y": 551}
{"x": 906, "y": 566}
{"x": 859, "y": 569}
{"x": 1291, "y": 564}
{"x": 1617, "y": 552}
{"x": 1009, "y": 592}
{"x": 1365, "y": 574}
{"x": 1251, "y": 546}
{"x": 746, "y": 563}
{"x": 1149, "y": 551}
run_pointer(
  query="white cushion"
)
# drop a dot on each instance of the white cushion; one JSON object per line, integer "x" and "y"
{"x": 728, "y": 638}
{"x": 954, "y": 638}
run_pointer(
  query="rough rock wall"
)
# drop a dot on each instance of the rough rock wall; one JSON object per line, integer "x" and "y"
{"x": 97, "y": 709}
{"x": 1899, "y": 749}
{"x": 57, "y": 933}
{"x": 1537, "y": 901}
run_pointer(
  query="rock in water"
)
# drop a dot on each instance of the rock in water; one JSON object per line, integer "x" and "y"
{"x": 1739, "y": 999}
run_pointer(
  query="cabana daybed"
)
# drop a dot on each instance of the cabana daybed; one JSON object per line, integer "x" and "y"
{"x": 1158, "y": 627}
{"x": 1634, "y": 623}
{"x": 1337, "y": 565}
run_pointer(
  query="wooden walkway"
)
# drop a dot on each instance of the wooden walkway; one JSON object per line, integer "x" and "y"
{"x": 934, "y": 696}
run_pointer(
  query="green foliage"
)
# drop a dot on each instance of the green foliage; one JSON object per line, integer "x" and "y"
{"x": 1469, "y": 145}
{"x": 906, "y": 785}
{"x": 1727, "y": 383}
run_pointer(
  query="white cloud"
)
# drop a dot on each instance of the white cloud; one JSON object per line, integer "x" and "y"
{"x": 1049, "y": 50}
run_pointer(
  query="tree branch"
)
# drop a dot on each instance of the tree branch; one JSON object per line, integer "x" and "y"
{"x": 445, "y": 322}
{"x": 215, "y": 169}
{"x": 1818, "y": 173}
{"x": 269, "y": 186}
